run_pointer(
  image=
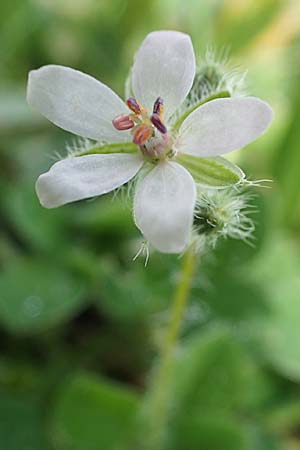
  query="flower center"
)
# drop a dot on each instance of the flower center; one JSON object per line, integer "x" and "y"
{"x": 149, "y": 131}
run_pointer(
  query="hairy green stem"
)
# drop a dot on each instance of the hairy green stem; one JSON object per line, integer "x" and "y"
{"x": 159, "y": 402}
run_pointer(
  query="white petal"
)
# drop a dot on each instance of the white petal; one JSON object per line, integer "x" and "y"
{"x": 163, "y": 207}
{"x": 76, "y": 102}
{"x": 82, "y": 177}
{"x": 223, "y": 125}
{"x": 164, "y": 67}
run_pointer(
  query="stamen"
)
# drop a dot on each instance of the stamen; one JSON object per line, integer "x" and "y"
{"x": 155, "y": 119}
{"x": 142, "y": 134}
{"x": 158, "y": 107}
{"x": 134, "y": 105}
{"x": 140, "y": 121}
{"x": 123, "y": 122}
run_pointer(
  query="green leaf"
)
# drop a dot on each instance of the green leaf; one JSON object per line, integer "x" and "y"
{"x": 15, "y": 116}
{"x": 214, "y": 372}
{"x": 215, "y": 172}
{"x": 213, "y": 431}
{"x": 105, "y": 219}
{"x": 122, "y": 147}
{"x": 287, "y": 165}
{"x": 280, "y": 332}
{"x": 125, "y": 295}
{"x": 233, "y": 287}
{"x": 93, "y": 413}
{"x": 37, "y": 227}
{"x": 36, "y": 295}
{"x": 131, "y": 294}
{"x": 277, "y": 268}
{"x": 222, "y": 94}
{"x": 21, "y": 425}
{"x": 215, "y": 384}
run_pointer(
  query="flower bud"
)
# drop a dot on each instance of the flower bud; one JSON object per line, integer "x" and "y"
{"x": 215, "y": 76}
{"x": 222, "y": 213}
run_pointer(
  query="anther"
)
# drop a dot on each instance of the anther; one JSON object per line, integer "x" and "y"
{"x": 123, "y": 122}
{"x": 155, "y": 119}
{"x": 158, "y": 107}
{"x": 134, "y": 105}
{"x": 142, "y": 134}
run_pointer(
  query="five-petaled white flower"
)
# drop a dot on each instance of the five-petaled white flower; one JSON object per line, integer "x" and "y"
{"x": 162, "y": 76}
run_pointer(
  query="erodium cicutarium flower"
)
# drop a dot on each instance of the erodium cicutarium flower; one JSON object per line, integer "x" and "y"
{"x": 144, "y": 135}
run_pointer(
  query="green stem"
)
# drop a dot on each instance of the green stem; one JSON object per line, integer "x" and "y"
{"x": 179, "y": 304}
{"x": 158, "y": 403}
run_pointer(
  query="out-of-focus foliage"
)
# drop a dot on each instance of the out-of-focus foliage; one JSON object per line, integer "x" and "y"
{"x": 80, "y": 322}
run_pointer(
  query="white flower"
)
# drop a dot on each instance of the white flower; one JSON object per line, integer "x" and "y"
{"x": 162, "y": 76}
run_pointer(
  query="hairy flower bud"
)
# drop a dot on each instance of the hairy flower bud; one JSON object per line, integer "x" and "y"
{"x": 222, "y": 213}
{"x": 214, "y": 76}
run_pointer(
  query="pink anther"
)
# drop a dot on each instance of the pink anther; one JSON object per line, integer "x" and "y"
{"x": 123, "y": 122}
{"x": 142, "y": 134}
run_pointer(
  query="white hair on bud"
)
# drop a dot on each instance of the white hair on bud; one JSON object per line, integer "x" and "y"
{"x": 222, "y": 214}
{"x": 213, "y": 76}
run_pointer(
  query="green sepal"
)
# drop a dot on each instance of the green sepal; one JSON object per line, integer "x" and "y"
{"x": 222, "y": 94}
{"x": 214, "y": 172}
{"x": 120, "y": 147}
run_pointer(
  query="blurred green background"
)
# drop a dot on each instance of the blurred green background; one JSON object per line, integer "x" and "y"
{"x": 80, "y": 322}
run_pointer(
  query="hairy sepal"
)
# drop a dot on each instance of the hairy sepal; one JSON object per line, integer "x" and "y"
{"x": 214, "y": 172}
{"x": 181, "y": 119}
{"x": 127, "y": 147}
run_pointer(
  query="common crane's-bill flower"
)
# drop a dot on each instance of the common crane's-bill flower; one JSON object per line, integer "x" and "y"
{"x": 143, "y": 132}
